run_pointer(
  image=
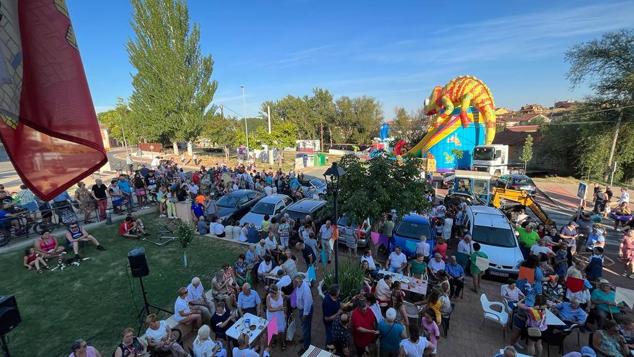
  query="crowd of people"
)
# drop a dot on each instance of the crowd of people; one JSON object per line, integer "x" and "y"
{"x": 384, "y": 317}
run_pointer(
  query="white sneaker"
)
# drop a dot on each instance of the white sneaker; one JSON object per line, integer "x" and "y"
{"x": 162, "y": 215}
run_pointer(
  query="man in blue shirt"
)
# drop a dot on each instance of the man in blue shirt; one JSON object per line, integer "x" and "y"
{"x": 456, "y": 276}
{"x": 126, "y": 190}
{"x": 571, "y": 313}
{"x": 249, "y": 300}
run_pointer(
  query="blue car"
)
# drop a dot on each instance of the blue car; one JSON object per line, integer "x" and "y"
{"x": 408, "y": 231}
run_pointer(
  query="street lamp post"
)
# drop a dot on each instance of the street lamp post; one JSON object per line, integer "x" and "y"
{"x": 332, "y": 177}
{"x": 244, "y": 115}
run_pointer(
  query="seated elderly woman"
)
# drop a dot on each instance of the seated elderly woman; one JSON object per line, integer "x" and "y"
{"x": 603, "y": 299}
{"x": 160, "y": 338}
{"x": 571, "y": 312}
{"x": 241, "y": 268}
{"x": 553, "y": 290}
{"x": 221, "y": 290}
{"x": 204, "y": 345}
{"x": 608, "y": 342}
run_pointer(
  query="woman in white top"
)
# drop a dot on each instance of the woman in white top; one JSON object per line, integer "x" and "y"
{"x": 182, "y": 312}
{"x": 275, "y": 308}
{"x": 204, "y": 346}
{"x": 159, "y": 337}
{"x": 415, "y": 345}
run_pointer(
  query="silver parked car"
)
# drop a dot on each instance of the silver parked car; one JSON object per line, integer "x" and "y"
{"x": 273, "y": 206}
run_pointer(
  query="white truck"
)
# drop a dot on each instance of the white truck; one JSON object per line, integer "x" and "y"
{"x": 493, "y": 159}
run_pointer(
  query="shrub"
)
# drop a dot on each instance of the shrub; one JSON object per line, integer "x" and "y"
{"x": 350, "y": 280}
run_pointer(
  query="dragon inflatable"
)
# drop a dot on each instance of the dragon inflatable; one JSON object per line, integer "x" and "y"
{"x": 465, "y": 118}
{"x": 463, "y": 91}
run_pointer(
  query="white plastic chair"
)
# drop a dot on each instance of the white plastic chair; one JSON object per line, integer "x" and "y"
{"x": 501, "y": 317}
{"x": 506, "y": 302}
{"x": 412, "y": 311}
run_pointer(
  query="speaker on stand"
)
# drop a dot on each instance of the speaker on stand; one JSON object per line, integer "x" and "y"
{"x": 139, "y": 269}
{"x": 9, "y": 319}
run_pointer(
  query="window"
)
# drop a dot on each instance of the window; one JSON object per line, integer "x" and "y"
{"x": 499, "y": 237}
{"x": 263, "y": 208}
{"x": 413, "y": 230}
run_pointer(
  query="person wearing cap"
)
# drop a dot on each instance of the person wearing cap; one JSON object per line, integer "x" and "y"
{"x": 604, "y": 302}
{"x": 80, "y": 348}
{"x": 197, "y": 299}
{"x": 608, "y": 342}
{"x": 391, "y": 332}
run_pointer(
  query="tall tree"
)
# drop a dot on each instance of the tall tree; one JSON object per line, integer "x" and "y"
{"x": 323, "y": 112}
{"x": 410, "y": 127}
{"x": 607, "y": 65}
{"x": 527, "y": 151}
{"x": 118, "y": 123}
{"x": 172, "y": 83}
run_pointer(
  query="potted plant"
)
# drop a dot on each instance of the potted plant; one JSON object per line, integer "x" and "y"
{"x": 184, "y": 233}
{"x": 350, "y": 281}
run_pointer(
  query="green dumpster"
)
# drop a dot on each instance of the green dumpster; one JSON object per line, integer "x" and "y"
{"x": 321, "y": 159}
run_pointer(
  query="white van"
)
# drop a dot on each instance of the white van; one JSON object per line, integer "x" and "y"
{"x": 490, "y": 227}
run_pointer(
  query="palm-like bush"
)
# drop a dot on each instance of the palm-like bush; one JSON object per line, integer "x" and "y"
{"x": 350, "y": 280}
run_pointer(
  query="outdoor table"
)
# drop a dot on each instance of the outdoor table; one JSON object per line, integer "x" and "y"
{"x": 313, "y": 351}
{"x": 553, "y": 320}
{"x": 416, "y": 286}
{"x": 239, "y": 327}
{"x": 409, "y": 284}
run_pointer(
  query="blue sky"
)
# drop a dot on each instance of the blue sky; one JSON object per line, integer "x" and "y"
{"x": 395, "y": 51}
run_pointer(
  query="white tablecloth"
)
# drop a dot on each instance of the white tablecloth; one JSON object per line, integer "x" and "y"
{"x": 239, "y": 327}
{"x": 553, "y": 320}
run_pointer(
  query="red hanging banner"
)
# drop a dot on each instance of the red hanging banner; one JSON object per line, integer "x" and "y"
{"x": 47, "y": 119}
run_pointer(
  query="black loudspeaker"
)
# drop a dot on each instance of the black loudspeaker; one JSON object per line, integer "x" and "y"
{"x": 9, "y": 314}
{"x": 138, "y": 264}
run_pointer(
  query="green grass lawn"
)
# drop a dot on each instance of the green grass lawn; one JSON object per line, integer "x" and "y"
{"x": 98, "y": 299}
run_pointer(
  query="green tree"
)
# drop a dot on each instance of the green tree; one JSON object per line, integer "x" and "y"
{"x": 410, "y": 127}
{"x": 172, "y": 86}
{"x": 527, "y": 151}
{"x": 371, "y": 188}
{"x": 607, "y": 66}
{"x": 118, "y": 123}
